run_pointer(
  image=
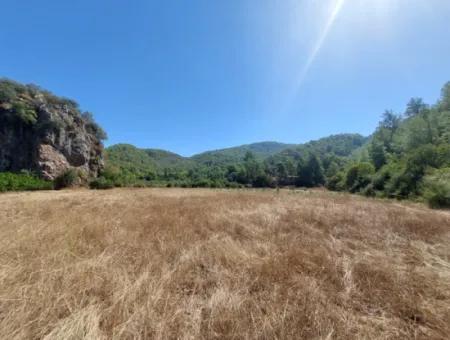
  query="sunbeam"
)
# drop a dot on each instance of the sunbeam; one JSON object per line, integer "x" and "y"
{"x": 336, "y": 9}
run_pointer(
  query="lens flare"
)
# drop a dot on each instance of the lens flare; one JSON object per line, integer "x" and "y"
{"x": 334, "y": 13}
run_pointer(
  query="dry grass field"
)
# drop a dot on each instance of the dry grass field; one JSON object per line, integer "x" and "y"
{"x": 211, "y": 264}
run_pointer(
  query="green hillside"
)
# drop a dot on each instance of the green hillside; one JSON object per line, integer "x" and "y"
{"x": 166, "y": 159}
{"x": 130, "y": 160}
{"x": 341, "y": 145}
{"x": 408, "y": 156}
{"x": 260, "y": 150}
{"x": 253, "y": 164}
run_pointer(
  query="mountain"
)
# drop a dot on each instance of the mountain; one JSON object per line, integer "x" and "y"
{"x": 340, "y": 145}
{"x": 130, "y": 159}
{"x": 46, "y": 134}
{"x": 260, "y": 150}
{"x": 144, "y": 161}
{"x": 167, "y": 159}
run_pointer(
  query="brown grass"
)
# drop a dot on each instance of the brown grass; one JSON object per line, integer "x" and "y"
{"x": 204, "y": 264}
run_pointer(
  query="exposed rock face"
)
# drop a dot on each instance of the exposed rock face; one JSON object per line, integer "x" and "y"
{"x": 46, "y": 134}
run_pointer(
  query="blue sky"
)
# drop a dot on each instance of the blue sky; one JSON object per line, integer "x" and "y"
{"x": 194, "y": 75}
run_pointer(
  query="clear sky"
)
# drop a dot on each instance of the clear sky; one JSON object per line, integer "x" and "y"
{"x": 194, "y": 75}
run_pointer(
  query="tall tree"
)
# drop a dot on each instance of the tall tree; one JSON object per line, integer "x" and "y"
{"x": 386, "y": 130}
{"x": 377, "y": 154}
{"x": 310, "y": 174}
{"x": 252, "y": 167}
{"x": 444, "y": 103}
{"x": 414, "y": 107}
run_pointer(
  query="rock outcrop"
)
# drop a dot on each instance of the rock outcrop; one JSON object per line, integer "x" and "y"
{"x": 46, "y": 134}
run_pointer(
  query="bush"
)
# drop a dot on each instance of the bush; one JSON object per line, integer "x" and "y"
{"x": 336, "y": 182}
{"x": 233, "y": 185}
{"x": 22, "y": 182}
{"x": 67, "y": 179}
{"x": 263, "y": 181}
{"x": 8, "y": 90}
{"x": 25, "y": 113}
{"x": 369, "y": 191}
{"x": 359, "y": 176}
{"x": 201, "y": 183}
{"x": 102, "y": 183}
{"x": 436, "y": 188}
{"x": 93, "y": 127}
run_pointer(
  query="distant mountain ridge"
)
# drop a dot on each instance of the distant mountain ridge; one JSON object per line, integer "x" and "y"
{"x": 260, "y": 150}
{"x": 127, "y": 156}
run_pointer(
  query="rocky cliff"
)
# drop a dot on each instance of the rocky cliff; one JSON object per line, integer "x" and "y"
{"x": 46, "y": 134}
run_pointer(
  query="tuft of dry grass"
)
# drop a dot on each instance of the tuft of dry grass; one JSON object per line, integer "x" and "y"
{"x": 216, "y": 264}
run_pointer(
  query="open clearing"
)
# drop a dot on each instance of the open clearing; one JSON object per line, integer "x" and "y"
{"x": 204, "y": 264}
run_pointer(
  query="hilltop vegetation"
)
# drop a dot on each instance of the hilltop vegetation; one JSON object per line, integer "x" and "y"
{"x": 256, "y": 165}
{"x": 237, "y": 154}
{"x": 46, "y": 136}
{"x": 21, "y": 104}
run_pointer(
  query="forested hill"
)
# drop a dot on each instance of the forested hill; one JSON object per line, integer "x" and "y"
{"x": 260, "y": 150}
{"x": 212, "y": 167}
{"x": 127, "y": 156}
{"x": 142, "y": 161}
{"x": 342, "y": 145}
{"x": 407, "y": 156}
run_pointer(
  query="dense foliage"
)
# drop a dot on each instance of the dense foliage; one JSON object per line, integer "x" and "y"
{"x": 236, "y": 154}
{"x": 20, "y": 105}
{"x": 254, "y": 165}
{"x": 407, "y": 157}
{"x": 22, "y": 182}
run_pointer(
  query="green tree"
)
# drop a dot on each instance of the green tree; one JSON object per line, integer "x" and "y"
{"x": 436, "y": 188}
{"x": 252, "y": 168}
{"x": 444, "y": 103}
{"x": 377, "y": 154}
{"x": 310, "y": 174}
{"x": 359, "y": 176}
{"x": 282, "y": 173}
{"x": 414, "y": 107}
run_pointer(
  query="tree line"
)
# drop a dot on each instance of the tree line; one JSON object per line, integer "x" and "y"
{"x": 407, "y": 157}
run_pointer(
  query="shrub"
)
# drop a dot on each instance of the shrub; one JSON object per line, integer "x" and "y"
{"x": 336, "y": 182}
{"x": 22, "y": 182}
{"x": 67, "y": 179}
{"x": 359, "y": 176}
{"x": 101, "y": 183}
{"x": 233, "y": 185}
{"x": 201, "y": 183}
{"x": 113, "y": 176}
{"x": 25, "y": 113}
{"x": 8, "y": 90}
{"x": 436, "y": 188}
{"x": 369, "y": 191}
{"x": 263, "y": 181}
{"x": 93, "y": 127}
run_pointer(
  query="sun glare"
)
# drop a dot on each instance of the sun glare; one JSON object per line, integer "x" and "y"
{"x": 335, "y": 9}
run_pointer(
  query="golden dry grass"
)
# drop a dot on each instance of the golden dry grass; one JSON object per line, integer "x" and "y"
{"x": 205, "y": 264}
